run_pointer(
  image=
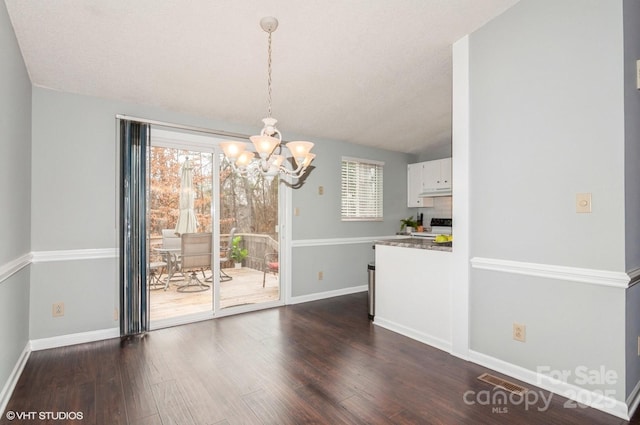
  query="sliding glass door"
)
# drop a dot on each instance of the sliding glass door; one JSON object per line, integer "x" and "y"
{"x": 180, "y": 201}
{"x": 249, "y": 208}
{"x": 240, "y": 213}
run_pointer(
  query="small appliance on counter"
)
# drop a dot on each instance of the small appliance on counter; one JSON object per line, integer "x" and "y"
{"x": 439, "y": 226}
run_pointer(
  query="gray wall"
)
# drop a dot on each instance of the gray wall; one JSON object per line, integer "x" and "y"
{"x": 547, "y": 122}
{"x": 15, "y": 191}
{"x": 632, "y": 179}
{"x": 343, "y": 265}
{"x": 632, "y": 133}
{"x": 74, "y": 144}
{"x": 320, "y": 214}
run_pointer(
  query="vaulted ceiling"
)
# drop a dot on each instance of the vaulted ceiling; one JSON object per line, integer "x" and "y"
{"x": 371, "y": 72}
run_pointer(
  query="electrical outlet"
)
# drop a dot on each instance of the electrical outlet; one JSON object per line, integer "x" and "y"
{"x": 296, "y": 212}
{"x": 58, "y": 310}
{"x": 519, "y": 332}
{"x": 116, "y": 316}
{"x": 320, "y": 275}
{"x": 320, "y": 190}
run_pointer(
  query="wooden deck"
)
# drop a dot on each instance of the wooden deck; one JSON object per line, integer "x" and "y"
{"x": 244, "y": 288}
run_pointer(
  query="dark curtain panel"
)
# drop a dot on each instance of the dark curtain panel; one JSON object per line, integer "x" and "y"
{"x": 134, "y": 295}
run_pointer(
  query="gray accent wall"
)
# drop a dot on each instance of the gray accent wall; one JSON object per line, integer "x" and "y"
{"x": 632, "y": 183}
{"x": 15, "y": 195}
{"x": 547, "y": 122}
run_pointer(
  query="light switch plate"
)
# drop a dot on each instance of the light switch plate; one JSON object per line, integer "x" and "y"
{"x": 583, "y": 202}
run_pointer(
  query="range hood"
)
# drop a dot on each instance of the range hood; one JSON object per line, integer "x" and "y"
{"x": 432, "y": 193}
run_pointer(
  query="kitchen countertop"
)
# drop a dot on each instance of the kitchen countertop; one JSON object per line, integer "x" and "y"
{"x": 420, "y": 243}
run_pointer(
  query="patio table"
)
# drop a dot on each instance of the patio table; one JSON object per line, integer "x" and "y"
{"x": 170, "y": 256}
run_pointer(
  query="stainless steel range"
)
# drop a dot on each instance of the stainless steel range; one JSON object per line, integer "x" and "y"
{"x": 439, "y": 226}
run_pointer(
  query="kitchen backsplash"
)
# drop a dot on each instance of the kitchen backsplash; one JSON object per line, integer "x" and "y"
{"x": 441, "y": 209}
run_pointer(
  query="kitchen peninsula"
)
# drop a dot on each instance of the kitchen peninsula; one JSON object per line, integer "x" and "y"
{"x": 413, "y": 289}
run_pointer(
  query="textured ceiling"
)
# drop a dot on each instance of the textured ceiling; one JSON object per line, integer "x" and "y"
{"x": 372, "y": 72}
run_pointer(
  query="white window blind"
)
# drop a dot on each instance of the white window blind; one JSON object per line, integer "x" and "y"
{"x": 361, "y": 189}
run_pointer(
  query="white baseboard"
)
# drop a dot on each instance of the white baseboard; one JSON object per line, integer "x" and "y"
{"x": 563, "y": 389}
{"x": 327, "y": 294}
{"x": 7, "y": 391}
{"x": 438, "y": 343}
{"x": 633, "y": 400}
{"x": 73, "y": 339}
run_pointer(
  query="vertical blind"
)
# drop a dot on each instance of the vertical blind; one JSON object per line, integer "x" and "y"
{"x": 134, "y": 294}
{"x": 361, "y": 189}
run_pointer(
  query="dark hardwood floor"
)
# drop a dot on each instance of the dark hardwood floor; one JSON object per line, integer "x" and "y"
{"x": 320, "y": 362}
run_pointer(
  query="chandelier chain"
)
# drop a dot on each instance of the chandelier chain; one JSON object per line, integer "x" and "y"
{"x": 269, "y": 75}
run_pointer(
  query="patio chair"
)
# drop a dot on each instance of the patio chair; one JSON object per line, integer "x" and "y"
{"x": 170, "y": 249}
{"x": 195, "y": 256}
{"x": 170, "y": 240}
{"x": 225, "y": 255}
{"x": 155, "y": 271}
{"x": 271, "y": 265}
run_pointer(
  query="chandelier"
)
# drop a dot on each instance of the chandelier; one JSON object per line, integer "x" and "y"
{"x": 270, "y": 161}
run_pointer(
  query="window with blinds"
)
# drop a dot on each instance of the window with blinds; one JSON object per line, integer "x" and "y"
{"x": 361, "y": 190}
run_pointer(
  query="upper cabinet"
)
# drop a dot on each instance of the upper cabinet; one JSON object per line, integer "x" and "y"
{"x": 414, "y": 185}
{"x": 436, "y": 176}
{"x": 426, "y": 180}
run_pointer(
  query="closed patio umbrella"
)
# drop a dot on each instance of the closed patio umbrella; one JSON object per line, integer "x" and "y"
{"x": 187, "y": 222}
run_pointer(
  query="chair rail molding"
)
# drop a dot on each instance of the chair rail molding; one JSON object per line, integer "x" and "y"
{"x": 634, "y": 276}
{"x": 74, "y": 254}
{"x": 576, "y": 274}
{"x": 14, "y": 266}
{"x": 338, "y": 241}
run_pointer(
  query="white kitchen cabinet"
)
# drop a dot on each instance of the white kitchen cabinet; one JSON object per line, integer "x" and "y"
{"x": 427, "y": 177}
{"x": 436, "y": 175}
{"x": 414, "y": 187}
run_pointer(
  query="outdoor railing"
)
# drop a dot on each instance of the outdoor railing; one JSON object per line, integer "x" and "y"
{"x": 257, "y": 245}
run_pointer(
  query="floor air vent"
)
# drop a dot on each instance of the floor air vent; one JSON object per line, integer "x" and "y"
{"x": 502, "y": 383}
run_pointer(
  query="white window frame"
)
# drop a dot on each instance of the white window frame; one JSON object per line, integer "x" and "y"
{"x": 367, "y": 192}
